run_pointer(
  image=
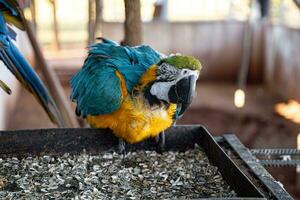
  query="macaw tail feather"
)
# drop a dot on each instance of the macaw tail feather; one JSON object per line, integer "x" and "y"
{"x": 5, "y": 87}
{"x": 22, "y": 70}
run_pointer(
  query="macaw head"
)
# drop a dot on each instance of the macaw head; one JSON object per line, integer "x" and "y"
{"x": 175, "y": 80}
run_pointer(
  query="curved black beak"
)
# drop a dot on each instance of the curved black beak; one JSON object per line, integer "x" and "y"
{"x": 183, "y": 92}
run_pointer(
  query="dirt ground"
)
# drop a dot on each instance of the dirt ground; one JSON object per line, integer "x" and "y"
{"x": 256, "y": 125}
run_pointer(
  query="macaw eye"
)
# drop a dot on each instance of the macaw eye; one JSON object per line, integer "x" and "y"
{"x": 163, "y": 68}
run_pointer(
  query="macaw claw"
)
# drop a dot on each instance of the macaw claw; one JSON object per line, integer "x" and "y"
{"x": 122, "y": 147}
{"x": 160, "y": 142}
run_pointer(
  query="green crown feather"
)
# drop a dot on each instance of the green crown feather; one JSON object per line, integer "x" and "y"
{"x": 181, "y": 62}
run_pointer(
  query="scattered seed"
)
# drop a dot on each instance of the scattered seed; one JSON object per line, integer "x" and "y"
{"x": 140, "y": 175}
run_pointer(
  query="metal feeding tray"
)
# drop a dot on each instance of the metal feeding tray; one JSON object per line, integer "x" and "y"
{"x": 234, "y": 161}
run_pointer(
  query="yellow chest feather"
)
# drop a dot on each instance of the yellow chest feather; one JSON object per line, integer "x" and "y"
{"x": 135, "y": 120}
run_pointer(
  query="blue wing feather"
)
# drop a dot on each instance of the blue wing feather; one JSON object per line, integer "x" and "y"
{"x": 22, "y": 70}
{"x": 96, "y": 87}
{"x": 132, "y": 62}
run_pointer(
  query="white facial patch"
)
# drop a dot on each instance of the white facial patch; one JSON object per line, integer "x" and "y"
{"x": 161, "y": 89}
{"x": 188, "y": 72}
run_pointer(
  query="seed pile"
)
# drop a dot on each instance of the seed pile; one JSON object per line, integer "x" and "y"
{"x": 140, "y": 175}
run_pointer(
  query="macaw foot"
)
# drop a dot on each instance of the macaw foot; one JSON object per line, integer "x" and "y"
{"x": 160, "y": 142}
{"x": 122, "y": 147}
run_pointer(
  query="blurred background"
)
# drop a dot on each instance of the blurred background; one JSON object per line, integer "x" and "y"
{"x": 250, "y": 51}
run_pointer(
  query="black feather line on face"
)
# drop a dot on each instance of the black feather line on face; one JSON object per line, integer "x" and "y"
{"x": 153, "y": 100}
{"x": 167, "y": 73}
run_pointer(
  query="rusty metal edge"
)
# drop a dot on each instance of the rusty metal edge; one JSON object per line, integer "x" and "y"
{"x": 259, "y": 171}
{"x": 72, "y": 140}
{"x": 95, "y": 140}
{"x": 241, "y": 183}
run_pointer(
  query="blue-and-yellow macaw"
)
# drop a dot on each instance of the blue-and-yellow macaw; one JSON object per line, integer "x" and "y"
{"x": 134, "y": 91}
{"x": 10, "y": 13}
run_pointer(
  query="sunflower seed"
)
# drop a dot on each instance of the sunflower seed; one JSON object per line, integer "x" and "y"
{"x": 140, "y": 175}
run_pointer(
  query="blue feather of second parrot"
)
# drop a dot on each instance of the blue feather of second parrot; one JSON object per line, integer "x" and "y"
{"x": 8, "y": 6}
{"x": 3, "y": 27}
{"x": 17, "y": 64}
{"x": 6, "y": 30}
{"x": 14, "y": 61}
{"x": 23, "y": 71}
